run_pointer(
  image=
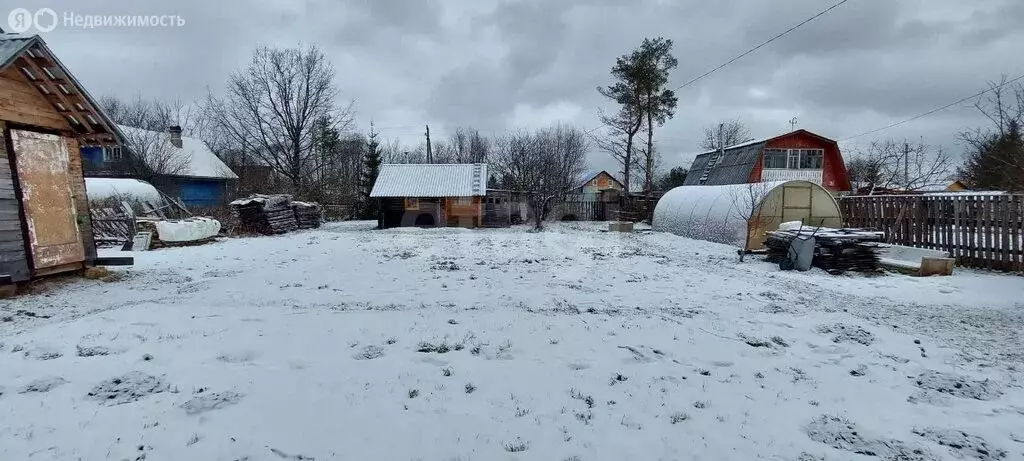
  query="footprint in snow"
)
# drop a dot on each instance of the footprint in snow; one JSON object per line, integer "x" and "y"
{"x": 43, "y": 353}
{"x": 211, "y": 401}
{"x": 43, "y": 385}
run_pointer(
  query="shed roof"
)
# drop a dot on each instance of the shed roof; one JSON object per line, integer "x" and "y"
{"x": 202, "y": 162}
{"x": 66, "y": 93}
{"x": 431, "y": 180}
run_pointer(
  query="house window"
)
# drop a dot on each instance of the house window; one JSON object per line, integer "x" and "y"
{"x": 412, "y": 203}
{"x": 775, "y": 158}
{"x": 793, "y": 159}
{"x": 811, "y": 159}
{"x": 112, "y": 154}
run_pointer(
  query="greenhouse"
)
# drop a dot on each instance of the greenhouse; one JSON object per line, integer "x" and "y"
{"x": 740, "y": 214}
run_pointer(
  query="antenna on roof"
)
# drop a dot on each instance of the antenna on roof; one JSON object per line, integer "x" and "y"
{"x": 792, "y": 123}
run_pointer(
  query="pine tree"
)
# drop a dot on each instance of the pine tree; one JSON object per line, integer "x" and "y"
{"x": 371, "y": 168}
{"x": 996, "y": 161}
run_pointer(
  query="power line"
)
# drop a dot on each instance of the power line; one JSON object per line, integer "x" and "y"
{"x": 748, "y": 52}
{"x": 940, "y": 109}
{"x": 763, "y": 44}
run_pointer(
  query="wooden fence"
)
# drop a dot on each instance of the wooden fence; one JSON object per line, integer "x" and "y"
{"x": 979, "y": 230}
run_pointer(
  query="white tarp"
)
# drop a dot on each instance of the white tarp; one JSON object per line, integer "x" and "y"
{"x": 187, "y": 230}
{"x": 713, "y": 213}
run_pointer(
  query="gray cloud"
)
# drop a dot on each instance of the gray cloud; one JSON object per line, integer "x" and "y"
{"x": 494, "y": 64}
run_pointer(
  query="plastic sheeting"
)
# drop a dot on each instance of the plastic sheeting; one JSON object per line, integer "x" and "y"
{"x": 187, "y": 230}
{"x": 739, "y": 214}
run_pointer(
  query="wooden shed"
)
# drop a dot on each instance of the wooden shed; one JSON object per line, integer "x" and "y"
{"x": 431, "y": 195}
{"x": 45, "y": 115}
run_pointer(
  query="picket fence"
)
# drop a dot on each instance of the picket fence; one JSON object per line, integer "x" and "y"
{"x": 979, "y": 230}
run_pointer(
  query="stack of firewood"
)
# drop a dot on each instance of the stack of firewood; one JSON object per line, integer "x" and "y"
{"x": 307, "y": 215}
{"x": 265, "y": 214}
{"x": 835, "y": 250}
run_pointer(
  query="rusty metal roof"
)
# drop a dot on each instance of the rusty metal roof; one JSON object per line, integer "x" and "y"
{"x": 431, "y": 180}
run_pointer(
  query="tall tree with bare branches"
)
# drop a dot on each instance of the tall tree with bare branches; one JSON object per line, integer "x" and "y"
{"x": 544, "y": 164}
{"x": 272, "y": 106}
{"x": 147, "y": 136}
{"x": 725, "y": 134}
{"x": 659, "y": 103}
{"x": 899, "y": 165}
{"x": 995, "y": 155}
{"x": 622, "y": 126}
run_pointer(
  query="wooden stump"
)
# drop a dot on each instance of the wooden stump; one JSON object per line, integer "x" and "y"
{"x": 620, "y": 226}
{"x": 936, "y": 266}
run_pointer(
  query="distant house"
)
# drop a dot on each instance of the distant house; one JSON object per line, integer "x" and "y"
{"x": 595, "y": 182}
{"x": 197, "y": 177}
{"x": 45, "y": 115}
{"x": 430, "y": 195}
{"x": 946, "y": 186}
{"x": 798, "y": 155}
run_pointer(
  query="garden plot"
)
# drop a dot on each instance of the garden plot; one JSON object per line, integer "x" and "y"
{"x": 351, "y": 343}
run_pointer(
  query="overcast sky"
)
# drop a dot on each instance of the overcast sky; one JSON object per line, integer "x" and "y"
{"x": 495, "y": 65}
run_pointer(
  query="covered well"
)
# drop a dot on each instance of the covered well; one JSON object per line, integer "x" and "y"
{"x": 740, "y": 214}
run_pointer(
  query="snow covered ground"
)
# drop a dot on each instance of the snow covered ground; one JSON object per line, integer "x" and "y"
{"x": 449, "y": 344}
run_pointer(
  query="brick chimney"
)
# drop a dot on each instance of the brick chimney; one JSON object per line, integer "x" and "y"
{"x": 175, "y": 131}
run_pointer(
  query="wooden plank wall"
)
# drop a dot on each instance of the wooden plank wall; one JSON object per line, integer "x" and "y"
{"x": 21, "y": 102}
{"x": 979, "y": 230}
{"x": 13, "y": 260}
{"x": 81, "y": 199}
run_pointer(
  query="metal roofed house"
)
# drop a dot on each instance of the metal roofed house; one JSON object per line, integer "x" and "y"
{"x": 45, "y": 115}
{"x": 799, "y": 155}
{"x": 192, "y": 173}
{"x": 430, "y": 195}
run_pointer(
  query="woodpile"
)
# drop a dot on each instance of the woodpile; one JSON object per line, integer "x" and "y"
{"x": 307, "y": 215}
{"x": 836, "y": 250}
{"x": 274, "y": 214}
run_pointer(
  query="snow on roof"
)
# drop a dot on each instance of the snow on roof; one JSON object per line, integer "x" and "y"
{"x": 431, "y": 180}
{"x": 107, "y": 188}
{"x": 202, "y": 162}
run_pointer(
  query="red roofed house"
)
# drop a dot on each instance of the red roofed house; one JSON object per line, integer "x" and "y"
{"x": 800, "y": 155}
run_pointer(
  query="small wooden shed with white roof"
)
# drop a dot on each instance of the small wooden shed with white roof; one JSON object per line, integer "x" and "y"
{"x": 430, "y": 195}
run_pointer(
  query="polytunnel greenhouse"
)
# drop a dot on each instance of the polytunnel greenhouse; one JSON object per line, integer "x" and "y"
{"x": 741, "y": 214}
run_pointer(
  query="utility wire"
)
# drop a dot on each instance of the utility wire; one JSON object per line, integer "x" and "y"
{"x": 763, "y": 44}
{"x": 748, "y": 52}
{"x": 940, "y": 109}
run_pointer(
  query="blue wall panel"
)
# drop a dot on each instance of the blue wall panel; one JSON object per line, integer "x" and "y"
{"x": 198, "y": 192}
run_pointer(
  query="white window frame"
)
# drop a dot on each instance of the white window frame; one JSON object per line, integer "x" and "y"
{"x": 112, "y": 154}
{"x": 794, "y": 158}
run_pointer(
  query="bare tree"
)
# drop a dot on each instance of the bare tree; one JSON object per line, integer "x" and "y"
{"x": 746, "y": 207}
{"x": 995, "y": 155}
{"x": 900, "y": 165}
{"x": 725, "y": 134}
{"x": 464, "y": 145}
{"x": 145, "y": 126}
{"x": 627, "y": 92}
{"x": 617, "y": 138}
{"x": 272, "y": 106}
{"x": 544, "y": 165}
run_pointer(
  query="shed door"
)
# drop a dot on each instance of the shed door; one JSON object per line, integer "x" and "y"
{"x": 42, "y": 163}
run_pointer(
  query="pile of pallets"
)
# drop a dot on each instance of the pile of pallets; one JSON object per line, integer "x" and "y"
{"x": 835, "y": 250}
{"x": 264, "y": 214}
{"x": 308, "y": 215}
